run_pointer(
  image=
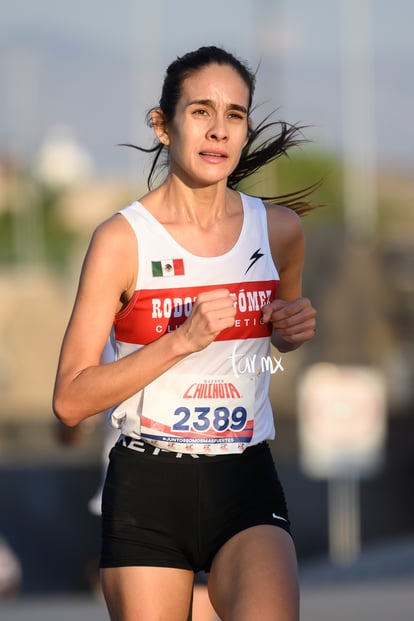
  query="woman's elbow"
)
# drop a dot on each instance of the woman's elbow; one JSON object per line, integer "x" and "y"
{"x": 64, "y": 411}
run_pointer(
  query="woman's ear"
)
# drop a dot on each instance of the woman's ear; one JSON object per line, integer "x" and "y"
{"x": 249, "y": 131}
{"x": 160, "y": 126}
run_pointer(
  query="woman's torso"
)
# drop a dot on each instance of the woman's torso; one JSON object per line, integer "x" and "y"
{"x": 215, "y": 400}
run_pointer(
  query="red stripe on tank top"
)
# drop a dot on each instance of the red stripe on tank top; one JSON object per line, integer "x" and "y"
{"x": 154, "y": 312}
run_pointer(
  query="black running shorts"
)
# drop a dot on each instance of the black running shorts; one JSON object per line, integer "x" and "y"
{"x": 165, "y": 509}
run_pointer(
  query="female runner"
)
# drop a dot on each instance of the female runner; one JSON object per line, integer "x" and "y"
{"x": 196, "y": 279}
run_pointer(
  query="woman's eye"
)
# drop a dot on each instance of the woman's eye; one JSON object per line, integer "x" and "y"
{"x": 236, "y": 115}
{"x": 200, "y": 111}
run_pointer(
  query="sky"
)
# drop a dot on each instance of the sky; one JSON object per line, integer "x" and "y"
{"x": 340, "y": 66}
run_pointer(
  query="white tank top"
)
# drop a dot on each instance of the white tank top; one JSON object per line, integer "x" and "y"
{"x": 216, "y": 400}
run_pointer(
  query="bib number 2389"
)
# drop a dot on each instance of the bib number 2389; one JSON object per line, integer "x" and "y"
{"x": 199, "y": 414}
{"x": 204, "y": 418}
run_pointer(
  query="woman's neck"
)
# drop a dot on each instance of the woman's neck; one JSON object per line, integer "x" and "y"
{"x": 205, "y": 221}
{"x": 175, "y": 202}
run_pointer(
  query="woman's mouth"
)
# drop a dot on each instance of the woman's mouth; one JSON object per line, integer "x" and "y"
{"x": 213, "y": 155}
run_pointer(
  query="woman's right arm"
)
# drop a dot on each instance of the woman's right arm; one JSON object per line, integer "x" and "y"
{"x": 84, "y": 386}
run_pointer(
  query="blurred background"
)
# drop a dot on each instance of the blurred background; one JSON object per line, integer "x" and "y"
{"x": 76, "y": 79}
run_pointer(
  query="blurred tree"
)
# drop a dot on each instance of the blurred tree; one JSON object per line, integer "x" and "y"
{"x": 300, "y": 170}
{"x": 31, "y": 228}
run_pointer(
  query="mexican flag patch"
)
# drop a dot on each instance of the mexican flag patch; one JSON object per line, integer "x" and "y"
{"x": 168, "y": 267}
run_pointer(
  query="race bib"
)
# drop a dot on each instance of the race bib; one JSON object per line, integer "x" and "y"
{"x": 202, "y": 415}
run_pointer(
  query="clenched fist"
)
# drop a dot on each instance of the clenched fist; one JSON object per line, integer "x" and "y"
{"x": 293, "y": 322}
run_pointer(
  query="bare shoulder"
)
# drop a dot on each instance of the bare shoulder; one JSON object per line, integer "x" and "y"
{"x": 284, "y": 226}
{"x": 115, "y": 231}
{"x": 114, "y": 240}
{"x": 112, "y": 254}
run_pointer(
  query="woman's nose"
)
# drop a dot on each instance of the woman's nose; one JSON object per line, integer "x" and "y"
{"x": 218, "y": 129}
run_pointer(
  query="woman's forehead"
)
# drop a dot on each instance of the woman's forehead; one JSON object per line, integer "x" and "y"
{"x": 216, "y": 82}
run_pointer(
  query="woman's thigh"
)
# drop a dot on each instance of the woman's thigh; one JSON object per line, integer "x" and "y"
{"x": 254, "y": 577}
{"x": 147, "y": 593}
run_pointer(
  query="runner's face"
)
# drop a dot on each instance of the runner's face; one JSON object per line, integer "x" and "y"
{"x": 210, "y": 126}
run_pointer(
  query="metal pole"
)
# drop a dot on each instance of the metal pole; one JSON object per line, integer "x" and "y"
{"x": 268, "y": 43}
{"x": 145, "y": 79}
{"x": 358, "y": 120}
{"x": 344, "y": 520}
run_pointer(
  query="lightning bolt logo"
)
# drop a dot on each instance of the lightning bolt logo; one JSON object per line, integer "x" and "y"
{"x": 255, "y": 257}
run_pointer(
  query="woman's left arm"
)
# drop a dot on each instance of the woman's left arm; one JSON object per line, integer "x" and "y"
{"x": 291, "y": 315}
